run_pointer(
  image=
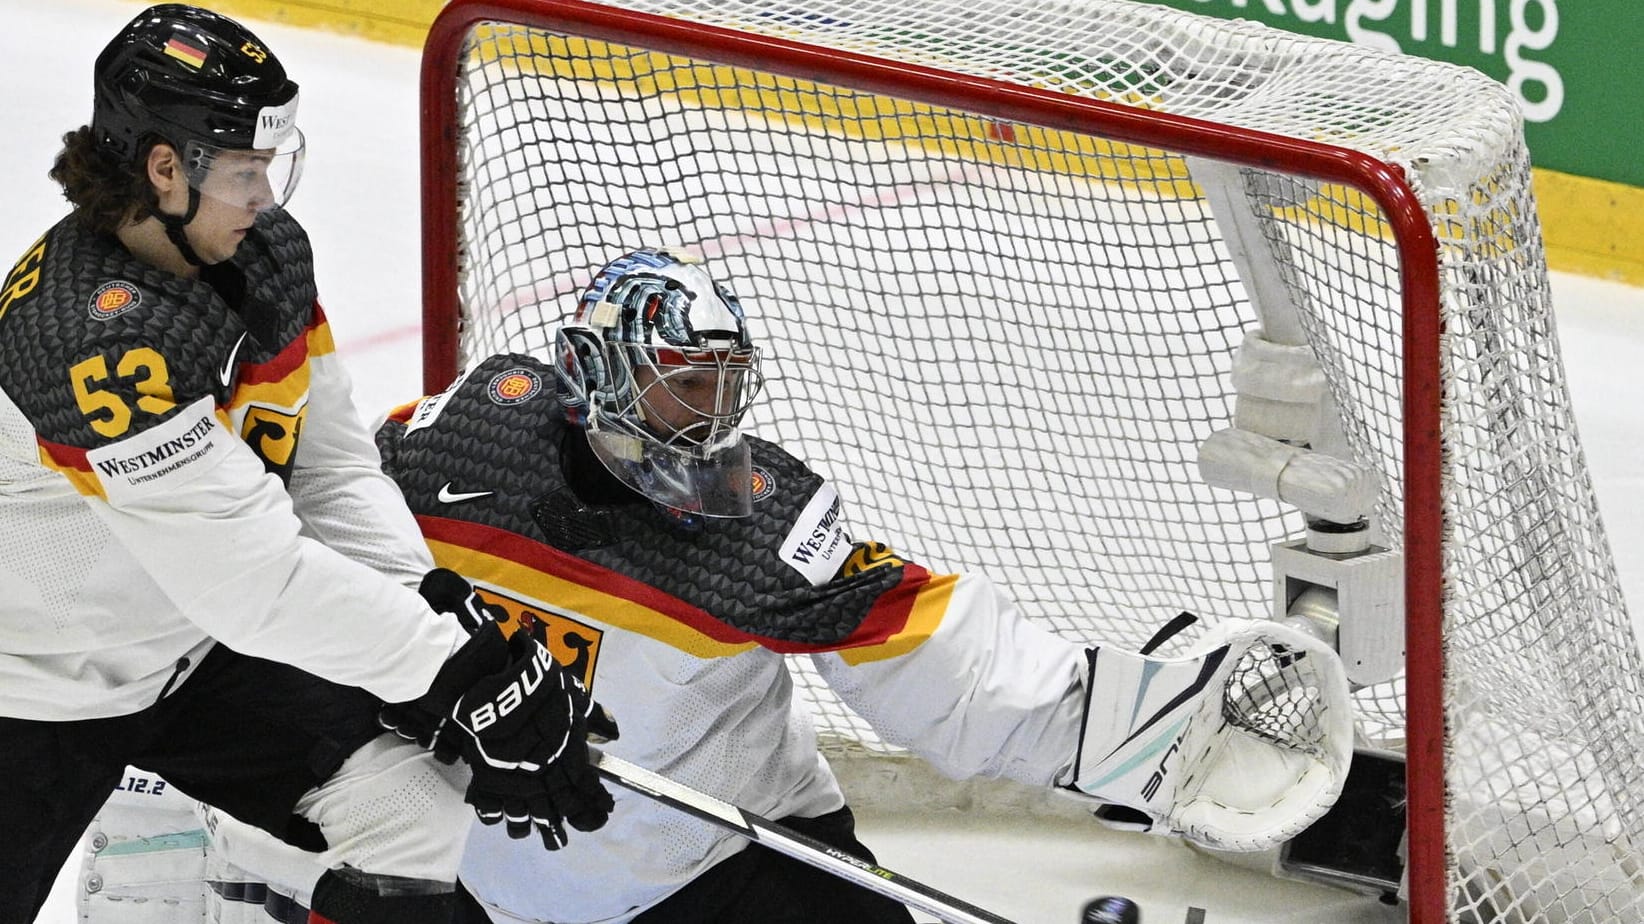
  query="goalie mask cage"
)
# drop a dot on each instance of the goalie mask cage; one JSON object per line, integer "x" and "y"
{"x": 1002, "y": 255}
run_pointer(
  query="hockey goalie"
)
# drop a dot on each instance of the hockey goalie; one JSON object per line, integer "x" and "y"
{"x": 609, "y": 503}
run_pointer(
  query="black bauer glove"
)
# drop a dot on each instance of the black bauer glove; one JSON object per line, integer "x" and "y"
{"x": 422, "y": 719}
{"x": 517, "y": 718}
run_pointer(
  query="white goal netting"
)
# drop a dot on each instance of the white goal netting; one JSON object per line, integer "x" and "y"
{"x": 1005, "y": 341}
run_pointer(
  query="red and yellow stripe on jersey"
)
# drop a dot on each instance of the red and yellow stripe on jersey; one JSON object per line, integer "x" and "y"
{"x": 284, "y": 379}
{"x": 899, "y": 621}
{"x": 267, "y": 409}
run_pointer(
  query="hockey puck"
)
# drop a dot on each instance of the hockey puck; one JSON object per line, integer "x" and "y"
{"x": 1111, "y": 909}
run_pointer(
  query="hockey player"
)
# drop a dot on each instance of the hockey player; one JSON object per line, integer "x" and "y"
{"x": 193, "y": 522}
{"x": 610, "y": 502}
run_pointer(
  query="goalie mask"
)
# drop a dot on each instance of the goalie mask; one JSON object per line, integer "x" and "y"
{"x": 659, "y": 370}
{"x": 211, "y": 90}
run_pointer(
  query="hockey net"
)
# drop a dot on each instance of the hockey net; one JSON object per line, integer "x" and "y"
{"x": 1002, "y": 256}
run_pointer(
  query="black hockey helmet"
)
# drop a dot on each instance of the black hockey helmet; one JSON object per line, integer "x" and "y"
{"x": 190, "y": 75}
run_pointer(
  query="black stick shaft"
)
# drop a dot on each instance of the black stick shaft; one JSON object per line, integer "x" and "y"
{"x": 799, "y": 846}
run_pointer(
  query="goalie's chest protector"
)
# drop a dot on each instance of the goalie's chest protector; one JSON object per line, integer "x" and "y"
{"x": 480, "y": 465}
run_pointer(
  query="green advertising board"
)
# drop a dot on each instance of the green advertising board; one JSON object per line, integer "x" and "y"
{"x": 1577, "y": 66}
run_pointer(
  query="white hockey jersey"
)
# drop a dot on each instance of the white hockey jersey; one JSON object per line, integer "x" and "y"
{"x": 679, "y": 628}
{"x": 174, "y": 470}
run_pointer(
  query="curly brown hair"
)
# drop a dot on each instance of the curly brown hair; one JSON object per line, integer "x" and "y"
{"x": 105, "y": 193}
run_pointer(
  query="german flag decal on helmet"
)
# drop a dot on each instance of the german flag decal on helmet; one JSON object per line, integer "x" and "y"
{"x": 113, "y": 299}
{"x": 180, "y": 49}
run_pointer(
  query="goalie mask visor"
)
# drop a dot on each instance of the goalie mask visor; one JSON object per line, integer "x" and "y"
{"x": 714, "y": 480}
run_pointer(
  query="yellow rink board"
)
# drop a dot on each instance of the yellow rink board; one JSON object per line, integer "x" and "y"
{"x": 1590, "y": 226}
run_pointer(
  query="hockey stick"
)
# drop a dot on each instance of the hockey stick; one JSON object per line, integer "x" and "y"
{"x": 763, "y": 831}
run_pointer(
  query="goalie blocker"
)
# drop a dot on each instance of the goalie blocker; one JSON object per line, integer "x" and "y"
{"x": 1240, "y": 744}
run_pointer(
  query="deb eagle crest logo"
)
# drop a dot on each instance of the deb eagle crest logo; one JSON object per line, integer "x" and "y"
{"x": 113, "y": 299}
{"x": 763, "y": 485}
{"x": 574, "y": 644}
{"x": 513, "y": 386}
{"x": 273, "y": 434}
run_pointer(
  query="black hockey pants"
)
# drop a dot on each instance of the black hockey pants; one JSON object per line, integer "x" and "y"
{"x": 246, "y": 735}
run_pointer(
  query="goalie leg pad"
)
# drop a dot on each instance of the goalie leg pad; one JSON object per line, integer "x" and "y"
{"x": 144, "y": 860}
{"x": 154, "y": 856}
{"x": 1239, "y": 745}
{"x": 349, "y": 897}
{"x": 242, "y": 853}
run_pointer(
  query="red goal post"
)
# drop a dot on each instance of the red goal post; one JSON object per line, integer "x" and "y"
{"x": 1414, "y": 231}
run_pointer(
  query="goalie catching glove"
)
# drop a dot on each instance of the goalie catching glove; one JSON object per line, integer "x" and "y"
{"x": 517, "y": 718}
{"x": 1239, "y": 745}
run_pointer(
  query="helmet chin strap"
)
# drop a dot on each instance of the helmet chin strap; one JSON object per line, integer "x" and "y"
{"x": 174, "y": 226}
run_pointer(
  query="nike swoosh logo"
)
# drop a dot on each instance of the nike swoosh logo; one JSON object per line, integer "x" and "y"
{"x": 228, "y": 364}
{"x": 448, "y": 496}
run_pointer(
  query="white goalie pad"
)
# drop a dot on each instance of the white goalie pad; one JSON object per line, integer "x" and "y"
{"x": 1239, "y": 745}
{"x": 153, "y": 856}
{"x": 145, "y": 857}
{"x": 242, "y": 853}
